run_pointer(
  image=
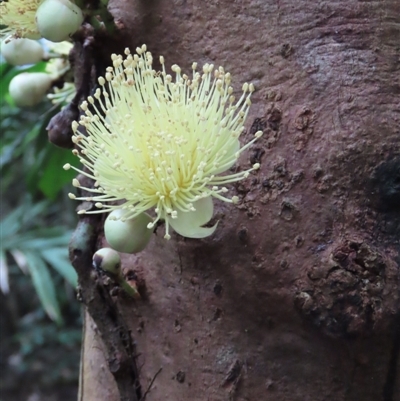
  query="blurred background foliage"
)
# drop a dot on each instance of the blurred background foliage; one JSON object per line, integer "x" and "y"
{"x": 40, "y": 323}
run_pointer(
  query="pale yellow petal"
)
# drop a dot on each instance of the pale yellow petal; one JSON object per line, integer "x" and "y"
{"x": 188, "y": 224}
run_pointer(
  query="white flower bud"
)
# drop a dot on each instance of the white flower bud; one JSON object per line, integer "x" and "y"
{"x": 56, "y": 20}
{"x": 108, "y": 260}
{"x": 128, "y": 236}
{"x": 29, "y": 88}
{"x": 21, "y": 51}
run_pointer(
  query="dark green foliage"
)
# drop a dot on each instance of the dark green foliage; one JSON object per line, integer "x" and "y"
{"x": 37, "y": 281}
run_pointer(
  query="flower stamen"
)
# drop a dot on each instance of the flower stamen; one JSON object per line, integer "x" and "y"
{"x": 154, "y": 141}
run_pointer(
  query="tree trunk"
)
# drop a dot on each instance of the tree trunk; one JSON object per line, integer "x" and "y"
{"x": 296, "y": 296}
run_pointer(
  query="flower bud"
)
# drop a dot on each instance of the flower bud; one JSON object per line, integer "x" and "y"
{"x": 107, "y": 260}
{"x": 21, "y": 51}
{"x": 28, "y": 88}
{"x": 128, "y": 236}
{"x": 56, "y": 20}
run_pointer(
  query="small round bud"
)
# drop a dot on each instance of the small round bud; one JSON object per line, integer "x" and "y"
{"x": 129, "y": 236}
{"x": 28, "y": 88}
{"x": 56, "y": 20}
{"x": 108, "y": 260}
{"x": 21, "y": 51}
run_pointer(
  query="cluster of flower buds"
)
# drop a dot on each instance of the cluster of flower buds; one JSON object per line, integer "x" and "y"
{"x": 29, "y": 88}
{"x": 25, "y": 21}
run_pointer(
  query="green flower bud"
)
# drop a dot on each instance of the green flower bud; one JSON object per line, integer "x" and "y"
{"x": 21, "y": 51}
{"x": 108, "y": 260}
{"x": 56, "y": 20}
{"x": 129, "y": 236}
{"x": 28, "y": 88}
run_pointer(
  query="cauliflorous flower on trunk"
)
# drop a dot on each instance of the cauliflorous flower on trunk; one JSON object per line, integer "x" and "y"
{"x": 19, "y": 18}
{"x": 154, "y": 141}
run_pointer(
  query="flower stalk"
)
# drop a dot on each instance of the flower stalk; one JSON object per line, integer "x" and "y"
{"x": 108, "y": 261}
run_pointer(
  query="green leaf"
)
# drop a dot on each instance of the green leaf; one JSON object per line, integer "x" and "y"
{"x": 45, "y": 238}
{"x": 11, "y": 150}
{"x": 35, "y": 169}
{"x": 4, "y": 68}
{"x": 32, "y": 134}
{"x": 54, "y": 177}
{"x": 10, "y": 225}
{"x": 40, "y": 160}
{"x": 44, "y": 285}
{"x": 38, "y": 244}
{"x": 59, "y": 260}
{"x": 33, "y": 210}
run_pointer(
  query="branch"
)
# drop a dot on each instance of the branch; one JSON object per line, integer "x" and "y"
{"x": 119, "y": 347}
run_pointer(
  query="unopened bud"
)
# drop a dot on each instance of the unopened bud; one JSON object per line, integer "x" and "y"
{"x": 28, "y": 88}
{"x": 21, "y": 51}
{"x": 56, "y": 20}
{"x": 107, "y": 260}
{"x": 129, "y": 236}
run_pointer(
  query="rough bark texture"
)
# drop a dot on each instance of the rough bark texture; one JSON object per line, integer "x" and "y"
{"x": 296, "y": 295}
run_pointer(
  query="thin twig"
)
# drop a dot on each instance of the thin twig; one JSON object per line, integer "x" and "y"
{"x": 151, "y": 384}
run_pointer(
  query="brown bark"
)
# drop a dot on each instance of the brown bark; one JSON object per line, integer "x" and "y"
{"x": 296, "y": 295}
{"x": 96, "y": 381}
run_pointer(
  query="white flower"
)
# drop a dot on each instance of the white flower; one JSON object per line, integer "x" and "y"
{"x": 156, "y": 142}
{"x": 19, "y": 17}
